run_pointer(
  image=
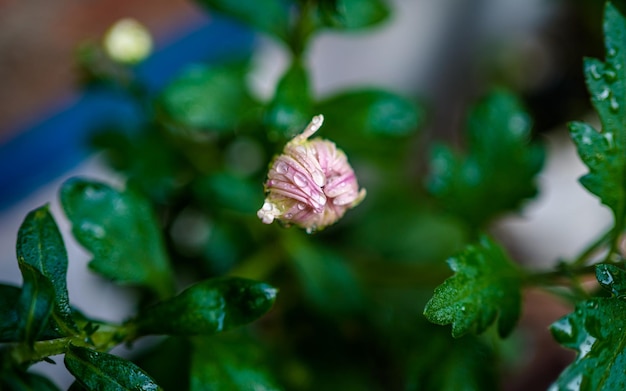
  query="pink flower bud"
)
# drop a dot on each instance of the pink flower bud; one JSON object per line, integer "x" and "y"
{"x": 311, "y": 184}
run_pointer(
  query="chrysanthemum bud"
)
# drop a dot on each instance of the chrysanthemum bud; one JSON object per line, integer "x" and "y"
{"x": 311, "y": 184}
{"x": 128, "y": 42}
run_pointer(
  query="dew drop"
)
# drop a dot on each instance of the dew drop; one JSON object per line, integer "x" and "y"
{"x": 288, "y": 215}
{"x": 299, "y": 179}
{"x": 611, "y": 52}
{"x": 594, "y": 72}
{"x": 282, "y": 168}
{"x": 604, "y": 94}
{"x": 610, "y": 75}
{"x": 300, "y": 206}
{"x": 614, "y": 104}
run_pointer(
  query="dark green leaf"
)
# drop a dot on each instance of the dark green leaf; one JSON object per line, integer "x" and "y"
{"x": 102, "y": 371}
{"x": 9, "y": 297}
{"x": 478, "y": 186}
{"x": 229, "y": 364}
{"x": 486, "y": 286}
{"x": 208, "y": 307}
{"x": 270, "y": 16}
{"x": 233, "y": 192}
{"x": 370, "y": 113}
{"x": 353, "y": 14}
{"x": 207, "y": 98}
{"x": 121, "y": 232}
{"x": 168, "y": 362}
{"x": 612, "y": 279}
{"x": 35, "y": 304}
{"x": 16, "y": 380}
{"x": 291, "y": 109}
{"x": 40, "y": 245}
{"x": 605, "y": 153}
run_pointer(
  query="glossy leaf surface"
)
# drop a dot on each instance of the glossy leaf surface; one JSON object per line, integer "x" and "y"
{"x": 9, "y": 297}
{"x": 478, "y": 185}
{"x": 103, "y": 371}
{"x": 485, "y": 288}
{"x": 121, "y": 232}
{"x": 35, "y": 304}
{"x": 25, "y": 381}
{"x": 208, "y": 307}
{"x": 604, "y": 153}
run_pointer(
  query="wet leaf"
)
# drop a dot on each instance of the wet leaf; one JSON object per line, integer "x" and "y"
{"x": 103, "y": 371}
{"x": 478, "y": 186}
{"x": 40, "y": 245}
{"x": 612, "y": 278}
{"x": 208, "y": 98}
{"x": 121, "y": 232}
{"x": 485, "y": 288}
{"x": 604, "y": 153}
{"x": 9, "y": 297}
{"x": 270, "y": 16}
{"x": 35, "y": 304}
{"x": 352, "y": 14}
{"x": 16, "y": 380}
{"x": 208, "y": 307}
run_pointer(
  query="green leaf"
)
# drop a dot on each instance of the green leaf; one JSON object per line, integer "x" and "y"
{"x": 121, "y": 232}
{"x": 16, "y": 380}
{"x": 612, "y": 278}
{"x": 486, "y": 286}
{"x": 353, "y": 14}
{"x": 370, "y": 113}
{"x": 291, "y": 109}
{"x": 35, "y": 304}
{"x": 270, "y": 16}
{"x": 103, "y": 371}
{"x": 604, "y": 152}
{"x": 208, "y": 307}
{"x": 208, "y": 98}
{"x": 9, "y": 297}
{"x": 478, "y": 186}
{"x": 229, "y": 364}
{"x": 40, "y": 245}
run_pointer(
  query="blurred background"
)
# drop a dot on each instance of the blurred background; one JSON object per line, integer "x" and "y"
{"x": 446, "y": 53}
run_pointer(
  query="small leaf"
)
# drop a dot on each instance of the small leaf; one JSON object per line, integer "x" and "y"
{"x": 353, "y": 14}
{"x": 208, "y": 307}
{"x": 612, "y": 278}
{"x": 291, "y": 109}
{"x": 35, "y": 304}
{"x": 485, "y": 287}
{"x": 604, "y": 152}
{"x": 229, "y": 364}
{"x": 478, "y": 186}
{"x": 121, "y": 232}
{"x": 270, "y": 16}
{"x": 40, "y": 245}
{"x": 370, "y": 113}
{"x": 596, "y": 330}
{"x": 102, "y": 371}
{"x": 207, "y": 98}
{"x": 9, "y": 297}
{"x": 16, "y": 380}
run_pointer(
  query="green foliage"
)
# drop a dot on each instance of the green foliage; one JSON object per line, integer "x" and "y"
{"x": 121, "y": 232}
{"x": 604, "y": 152}
{"x": 9, "y": 297}
{"x": 208, "y": 307}
{"x": 103, "y": 371}
{"x": 486, "y": 286}
{"x": 24, "y": 381}
{"x": 352, "y": 14}
{"x": 35, "y": 304}
{"x": 477, "y": 186}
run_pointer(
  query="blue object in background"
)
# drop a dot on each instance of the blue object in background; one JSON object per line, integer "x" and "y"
{"x": 49, "y": 149}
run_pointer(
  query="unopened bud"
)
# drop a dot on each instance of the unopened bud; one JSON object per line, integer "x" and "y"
{"x": 128, "y": 42}
{"x": 311, "y": 184}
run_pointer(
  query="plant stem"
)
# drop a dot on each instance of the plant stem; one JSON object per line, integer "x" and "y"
{"x": 591, "y": 249}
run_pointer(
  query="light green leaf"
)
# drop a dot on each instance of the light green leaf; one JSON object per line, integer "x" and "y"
{"x": 121, "y": 232}
{"x": 102, "y": 371}
{"x": 40, "y": 245}
{"x": 208, "y": 98}
{"x": 604, "y": 152}
{"x": 291, "y": 109}
{"x": 35, "y": 304}
{"x": 478, "y": 186}
{"x": 270, "y": 16}
{"x": 486, "y": 287}
{"x": 229, "y": 364}
{"x": 208, "y": 307}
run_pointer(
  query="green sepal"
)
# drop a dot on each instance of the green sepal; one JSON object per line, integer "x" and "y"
{"x": 121, "y": 231}
{"x": 291, "y": 109}
{"x": 9, "y": 298}
{"x": 269, "y": 16}
{"x": 208, "y": 307}
{"x": 102, "y": 371}
{"x": 40, "y": 245}
{"x": 35, "y": 304}
{"x": 477, "y": 186}
{"x": 485, "y": 288}
{"x": 229, "y": 363}
{"x": 208, "y": 99}
{"x": 352, "y": 14}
